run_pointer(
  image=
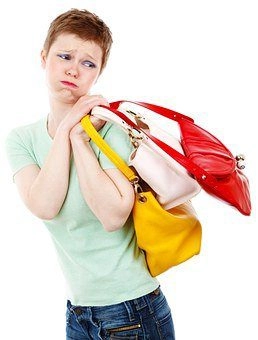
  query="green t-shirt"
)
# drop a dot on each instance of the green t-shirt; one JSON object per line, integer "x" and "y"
{"x": 100, "y": 267}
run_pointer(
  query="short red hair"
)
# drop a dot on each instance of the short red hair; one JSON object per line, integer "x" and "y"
{"x": 85, "y": 25}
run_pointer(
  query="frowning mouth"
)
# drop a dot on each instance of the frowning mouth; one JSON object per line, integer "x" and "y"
{"x": 68, "y": 84}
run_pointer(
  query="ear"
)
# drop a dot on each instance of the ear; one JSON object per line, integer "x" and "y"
{"x": 43, "y": 57}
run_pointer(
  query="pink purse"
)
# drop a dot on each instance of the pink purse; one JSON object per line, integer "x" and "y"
{"x": 167, "y": 178}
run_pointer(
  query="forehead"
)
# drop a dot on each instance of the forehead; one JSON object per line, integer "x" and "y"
{"x": 72, "y": 43}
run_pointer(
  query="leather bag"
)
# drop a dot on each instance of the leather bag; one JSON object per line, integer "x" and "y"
{"x": 211, "y": 163}
{"x": 170, "y": 181}
{"x": 167, "y": 238}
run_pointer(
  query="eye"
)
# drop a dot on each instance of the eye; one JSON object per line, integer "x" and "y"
{"x": 88, "y": 63}
{"x": 64, "y": 56}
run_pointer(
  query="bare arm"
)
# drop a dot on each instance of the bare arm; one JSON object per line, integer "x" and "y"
{"x": 108, "y": 193}
{"x": 43, "y": 190}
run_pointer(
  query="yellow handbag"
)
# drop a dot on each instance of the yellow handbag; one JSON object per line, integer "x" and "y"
{"x": 167, "y": 237}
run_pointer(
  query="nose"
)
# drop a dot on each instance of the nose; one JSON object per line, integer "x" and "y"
{"x": 72, "y": 72}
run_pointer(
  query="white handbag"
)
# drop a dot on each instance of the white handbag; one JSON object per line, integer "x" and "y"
{"x": 170, "y": 181}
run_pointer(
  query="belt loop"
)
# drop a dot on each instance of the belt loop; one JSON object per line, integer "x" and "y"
{"x": 143, "y": 302}
{"x": 129, "y": 309}
{"x": 148, "y": 302}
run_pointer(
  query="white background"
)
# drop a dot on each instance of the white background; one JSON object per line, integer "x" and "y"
{"x": 196, "y": 57}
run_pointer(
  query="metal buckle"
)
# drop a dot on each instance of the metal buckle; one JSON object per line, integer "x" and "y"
{"x": 138, "y": 190}
{"x": 240, "y": 161}
{"x": 136, "y": 115}
{"x": 133, "y": 138}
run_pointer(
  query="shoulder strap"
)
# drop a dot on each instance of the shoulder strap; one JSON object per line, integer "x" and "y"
{"x": 107, "y": 150}
{"x": 200, "y": 174}
{"x": 160, "y": 110}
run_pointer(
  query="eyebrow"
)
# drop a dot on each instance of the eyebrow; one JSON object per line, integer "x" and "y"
{"x": 70, "y": 51}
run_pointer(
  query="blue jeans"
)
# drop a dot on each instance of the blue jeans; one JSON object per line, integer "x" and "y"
{"x": 147, "y": 317}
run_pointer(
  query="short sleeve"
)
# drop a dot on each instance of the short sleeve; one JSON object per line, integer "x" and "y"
{"x": 119, "y": 141}
{"x": 18, "y": 151}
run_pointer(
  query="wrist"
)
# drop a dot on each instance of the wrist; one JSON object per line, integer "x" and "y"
{"x": 79, "y": 139}
{"x": 63, "y": 129}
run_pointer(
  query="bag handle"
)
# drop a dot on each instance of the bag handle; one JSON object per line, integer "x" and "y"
{"x": 200, "y": 174}
{"x": 170, "y": 114}
{"x": 173, "y": 115}
{"x": 108, "y": 151}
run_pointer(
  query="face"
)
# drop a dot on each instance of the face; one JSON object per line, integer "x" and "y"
{"x": 72, "y": 67}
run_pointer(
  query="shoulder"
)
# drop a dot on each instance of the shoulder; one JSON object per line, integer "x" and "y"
{"x": 111, "y": 130}
{"x": 24, "y": 133}
{"x": 20, "y": 144}
{"x": 118, "y": 139}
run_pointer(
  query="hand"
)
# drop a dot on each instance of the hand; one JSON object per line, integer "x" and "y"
{"x": 78, "y": 132}
{"x": 80, "y": 109}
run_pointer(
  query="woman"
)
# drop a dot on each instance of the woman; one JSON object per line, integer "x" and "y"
{"x": 84, "y": 201}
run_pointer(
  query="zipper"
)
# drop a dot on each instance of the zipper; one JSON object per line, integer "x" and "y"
{"x": 125, "y": 328}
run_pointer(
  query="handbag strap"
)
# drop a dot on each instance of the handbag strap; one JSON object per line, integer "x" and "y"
{"x": 160, "y": 110}
{"x": 199, "y": 173}
{"x": 108, "y": 151}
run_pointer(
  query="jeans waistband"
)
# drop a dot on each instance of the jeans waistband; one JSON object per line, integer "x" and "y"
{"x": 140, "y": 301}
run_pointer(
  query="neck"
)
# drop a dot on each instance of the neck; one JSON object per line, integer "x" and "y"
{"x": 58, "y": 111}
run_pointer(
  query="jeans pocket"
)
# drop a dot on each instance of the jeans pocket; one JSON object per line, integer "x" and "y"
{"x": 163, "y": 316}
{"x": 158, "y": 300}
{"x": 130, "y": 332}
{"x": 124, "y": 337}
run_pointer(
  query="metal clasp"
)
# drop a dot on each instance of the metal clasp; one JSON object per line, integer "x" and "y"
{"x": 136, "y": 115}
{"x": 138, "y": 190}
{"x": 136, "y": 185}
{"x": 133, "y": 138}
{"x": 240, "y": 161}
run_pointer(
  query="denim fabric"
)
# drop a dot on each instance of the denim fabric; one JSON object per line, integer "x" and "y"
{"x": 147, "y": 317}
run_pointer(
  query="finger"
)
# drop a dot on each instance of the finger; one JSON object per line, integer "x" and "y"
{"x": 93, "y": 99}
{"x": 89, "y": 105}
{"x": 84, "y": 106}
{"x": 97, "y": 123}
{"x": 96, "y": 120}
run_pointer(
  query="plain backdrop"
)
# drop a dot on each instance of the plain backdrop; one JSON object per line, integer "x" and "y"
{"x": 196, "y": 57}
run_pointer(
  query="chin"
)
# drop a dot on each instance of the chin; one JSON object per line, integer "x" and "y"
{"x": 68, "y": 97}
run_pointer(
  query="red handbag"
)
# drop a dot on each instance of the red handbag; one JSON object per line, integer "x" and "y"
{"x": 209, "y": 161}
